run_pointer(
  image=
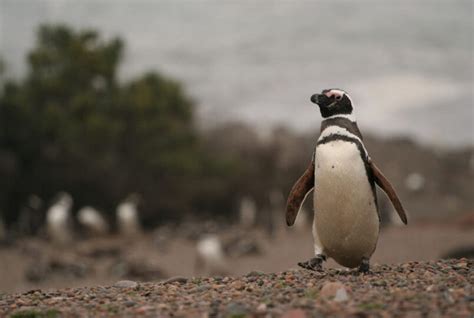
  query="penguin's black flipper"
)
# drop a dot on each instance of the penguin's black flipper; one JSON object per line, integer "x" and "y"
{"x": 298, "y": 193}
{"x": 387, "y": 187}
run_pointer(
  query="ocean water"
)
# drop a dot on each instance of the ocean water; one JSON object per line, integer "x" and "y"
{"x": 408, "y": 65}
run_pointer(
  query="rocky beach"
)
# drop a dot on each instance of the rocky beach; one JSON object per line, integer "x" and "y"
{"x": 413, "y": 289}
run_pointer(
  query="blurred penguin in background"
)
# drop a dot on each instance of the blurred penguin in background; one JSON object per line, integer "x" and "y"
{"x": 127, "y": 216}
{"x": 210, "y": 257}
{"x": 92, "y": 221}
{"x": 59, "y": 220}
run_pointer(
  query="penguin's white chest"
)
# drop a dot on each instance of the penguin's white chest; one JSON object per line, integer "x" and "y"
{"x": 346, "y": 220}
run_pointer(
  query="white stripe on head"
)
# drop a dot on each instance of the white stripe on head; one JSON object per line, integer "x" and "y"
{"x": 340, "y": 93}
{"x": 335, "y": 92}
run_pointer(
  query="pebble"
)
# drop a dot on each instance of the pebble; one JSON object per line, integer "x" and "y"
{"x": 439, "y": 288}
{"x": 20, "y": 302}
{"x": 462, "y": 263}
{"x": 126, "y": 284}
{"x": 330, "y": 289}
{"x": 237, "y": 285}
{"x": 176, "y": 279}
{"x": 144, "y": 309}
{"x": 261, "y": 308}
{"x": 294, "y": 313}
{"x": 341, "y": 295}
{"x": 236, "y": 309}
{"x": 202, "y": 288}
{"x": 254, "y": 274}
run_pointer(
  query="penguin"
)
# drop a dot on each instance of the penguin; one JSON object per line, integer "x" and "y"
{"x": 59, "y": 219}
{"x": 346, "y": 218}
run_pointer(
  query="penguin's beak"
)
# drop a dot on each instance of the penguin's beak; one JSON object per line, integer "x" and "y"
{"x": 316, "y": 98}
{"x": 321, "y": 100}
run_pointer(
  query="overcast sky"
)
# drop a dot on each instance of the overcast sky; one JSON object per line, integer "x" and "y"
{"x": 408, "y": 64}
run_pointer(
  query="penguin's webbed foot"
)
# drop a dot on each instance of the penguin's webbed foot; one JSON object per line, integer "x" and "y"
{"x": 364, "y": 266}
{"x": 314, "y": 264}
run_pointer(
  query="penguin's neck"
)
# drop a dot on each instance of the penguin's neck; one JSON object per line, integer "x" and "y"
{"x": 346, "y": 121}
{"x": 350, "y": 117}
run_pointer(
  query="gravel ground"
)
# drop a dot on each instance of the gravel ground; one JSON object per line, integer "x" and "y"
{"x": 414, "y": 289}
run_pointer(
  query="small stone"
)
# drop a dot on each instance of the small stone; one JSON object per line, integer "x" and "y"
{"x": 236, "y": 309}
{"x": 294, "y": 313}
{"x": 254, "y": 274}
{"x": 261, "y": 308}
{"x": 379, "y": 283}
{"x": 144, "y": 309}
{"x": 129, "y": 303}
{"x": 33, "y": 291}
{"x": 202, "y": 288}
{"x": 330, "y": 289}
{"x": 462, "y": 264}
{"x": 341, "y": 295}
{"x": 20, "y": 302}
{"x": 413, "y": 314}
{"x": 176, "y": 279}
{"x": 126, "y": 284}
{"x": 237, "y": 285}
{"x": 162, "y": 306}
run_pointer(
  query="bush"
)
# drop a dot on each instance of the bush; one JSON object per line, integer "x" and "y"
{"x": 70, "y": 125}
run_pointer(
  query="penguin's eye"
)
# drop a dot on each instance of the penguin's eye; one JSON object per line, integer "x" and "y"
{"x": 338, "y": 97}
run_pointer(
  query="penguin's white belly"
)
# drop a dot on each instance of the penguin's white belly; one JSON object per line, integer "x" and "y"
{"x": 346, "y": 220}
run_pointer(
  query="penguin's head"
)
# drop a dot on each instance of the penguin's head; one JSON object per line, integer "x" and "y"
{"x": 333, "y": 102}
